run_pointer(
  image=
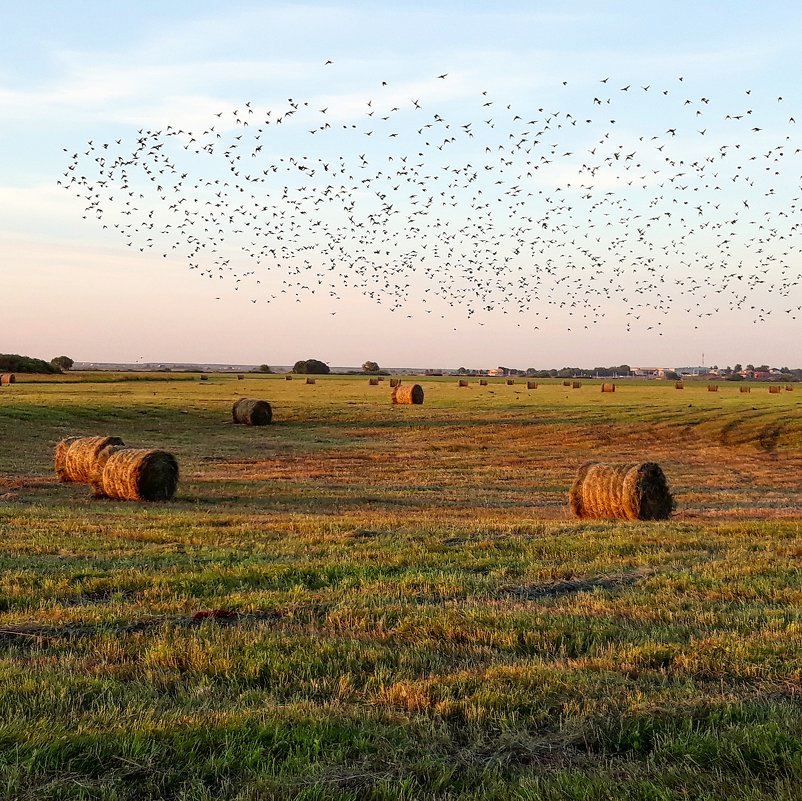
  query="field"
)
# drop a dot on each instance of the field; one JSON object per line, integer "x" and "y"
{"x": 403, "y": 606}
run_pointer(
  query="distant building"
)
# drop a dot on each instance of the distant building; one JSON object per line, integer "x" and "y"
{"x": 691, "y": 370}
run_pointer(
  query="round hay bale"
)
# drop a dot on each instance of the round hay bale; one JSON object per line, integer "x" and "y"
{"x": 240, "y": 378}
{"x": 462, "y": 383}
{"x": 96, "y": 479}
{"x": 774, "y": 390}
{"x": 482, "y": 382}
{"x": 75, "y": 459}
{"x": 395, "y": 382}
{"x": 374, "y": 382}
{"x": 679, "y": 385}
{"x": 139, "y": 474}
{"x": 623, "y": 492}
{"x": 310, "y": 380}
{"x": 576, "y": 385}
{"x": 288, "y": 378}
{"x": 510, "y": 382}
{"x": 252, "y": 412}
{"x": 61, "y": 458}
{"x": 408, "y": 394}
{"x": 745, "y": 389}
{"x": 789, "y": 388}
{"x": 531, "y": 384}
{"x": 204, "y": 378}
{"x": 712, "y": 387}
{"x": 566, "y": 383}
{"x": 608, "y": 388}
{"x": 8, "y": 378}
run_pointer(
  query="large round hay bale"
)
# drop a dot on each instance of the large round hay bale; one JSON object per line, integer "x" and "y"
{"x": 252, "y": 412}
{"x": 61, "y": 458}
{"x": 576, "y": 385}
{"x": 482, "y": 382}
{"x": 139, "y": 474}
{"x": 462, "y": 383}
{"x": 76, "y": 457}
{"x": 96, "y": 478}
{"x": 373, "y": 382}
{"x": 531, "y": 384}
{"x": 679, "y": 385}
{"x": 624, "y": 491}
{"x": 774, "y": 390}
{"x": 608, "y": 387}
{"x": 395, "y": 382}
{"x": 745, "y": 389}
{"x": 408, "y": 394}
{"x": 8, "y": 378}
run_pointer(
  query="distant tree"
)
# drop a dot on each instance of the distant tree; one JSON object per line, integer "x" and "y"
{"x": 312, "y": 366}
{"x": 735, "y": 377}
{"x": 62, "y": 362}
{"x": 737, "y": 368}
{"x": 750, "y": 367}
{"x": 14, "y": 363}
{"x": 763, "y": 368}
{"x": 263, "y": 368}
{"x": 370, "y": 367}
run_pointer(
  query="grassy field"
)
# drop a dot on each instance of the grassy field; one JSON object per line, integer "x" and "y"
{"x": 412, "y": 612}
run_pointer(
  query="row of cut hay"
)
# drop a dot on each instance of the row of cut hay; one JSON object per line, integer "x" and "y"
{"x": 114, "y": 471}
{"x": 623, "y": 491}
{"x": 408, "y": 394}
{"x": 7, "y": 378}
{"x": 251, "y": 412}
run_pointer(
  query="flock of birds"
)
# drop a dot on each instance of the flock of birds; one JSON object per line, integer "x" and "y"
{"x": 638, "y": 200}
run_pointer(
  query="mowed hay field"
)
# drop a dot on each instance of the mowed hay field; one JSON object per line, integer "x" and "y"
{"x": 367, "y": 601}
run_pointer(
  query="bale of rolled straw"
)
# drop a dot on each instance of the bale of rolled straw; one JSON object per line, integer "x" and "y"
{"x": 240, "y": 378}
{"x": 624, "y": 492}
{"x": 139, "y": 474}
{"x": 576, "y": 385}
{"x": 408, "y": 394}
{"x": 395, "y": 382}
{"x": 462, "y": 383}
{"x": 251, "y": 412}
{"x": 7, "y": 378}
{"x": 712, "y": 387}
{"x": 774, "y": 390}
{"x": 310, "y": 380}
{"x": 789, "y": 388}
{"x": 204, "y": 378}
{"x": 76, "y": 457}
{"x": 510, "y": 382}
{"x": 482, "y": 382}
{"x": 745, "y": 389}
{"x": 531, "y": 384}
{"x": 679, "y": 385}
{"x": 288, "y": 378}
{"x": 374, "y": 382}
{"x": 566, "y": 383}
{"x": 608, "y": 388}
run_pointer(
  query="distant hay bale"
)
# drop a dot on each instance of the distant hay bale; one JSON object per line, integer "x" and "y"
{"x": 679, "y": 385}
{"x": 240, "y": 378}
{"x": 310, "y": 380}
{"x": 395, "y": 382}
{"x": 576, "y": 385}
{"x": 139, "y": 474}
{"x": 745, "y": 389}
{"x": 251, "y": 412}
{"x": 774, "y": 390}
{"x": 789, "y": 388}
{"x": 76, "y": 457}
{"x": 566, "y": 383}
{"x": 712, "y": 387}
{"x": 204, "y": 378}
{"x": 374, "y": 382}
{"x": 408, "y": 394}
{"x": 482, "y": 382}
{"x": 608, "y": 387}
{"x": 288, "y": 378}
{"x": 531, "y": 384}
{"x": 7, "y": 378}
{"x": 622, "y": 492}
{"x": 510, "y": 382}
{"x": 462, "y": 383}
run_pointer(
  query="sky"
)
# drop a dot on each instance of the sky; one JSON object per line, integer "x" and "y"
{"x": 578, "y": 264}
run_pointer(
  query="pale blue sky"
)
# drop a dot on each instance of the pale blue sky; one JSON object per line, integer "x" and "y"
{"x": 100, "y": 71}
